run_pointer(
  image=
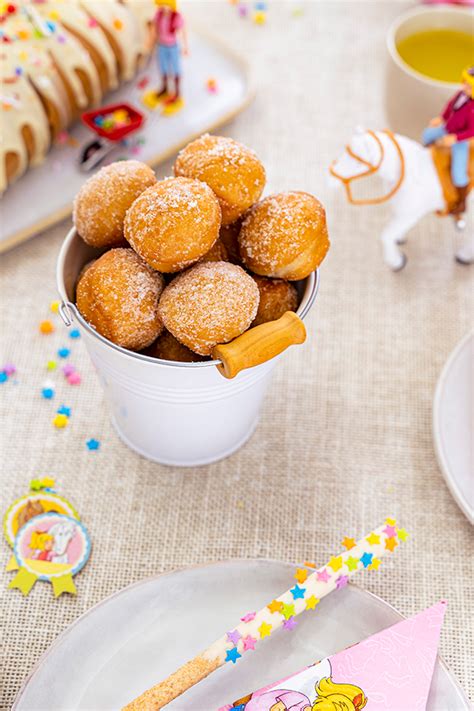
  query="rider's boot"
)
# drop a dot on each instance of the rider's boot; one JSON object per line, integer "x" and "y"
{"x": 459, "y": 208}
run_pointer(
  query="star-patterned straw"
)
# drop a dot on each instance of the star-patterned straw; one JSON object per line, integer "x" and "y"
{"x": 309, "y": 589}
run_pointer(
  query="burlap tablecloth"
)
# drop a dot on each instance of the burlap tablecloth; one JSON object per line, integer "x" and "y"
{"x": 345, "y": 435}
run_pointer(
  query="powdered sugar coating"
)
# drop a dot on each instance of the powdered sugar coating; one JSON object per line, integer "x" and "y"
{"x": 100, "y": 205}
{"x": 232, "y": 170}
{"x": 118, "y": 296}
{"x": 210, "y": 304}
{"x": 173, "y": 223}
{"x": 284, "y": 236}
{"x": 276, "y": 298}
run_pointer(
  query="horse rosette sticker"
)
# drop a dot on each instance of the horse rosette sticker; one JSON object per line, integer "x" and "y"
{"x": 50, "y": 547}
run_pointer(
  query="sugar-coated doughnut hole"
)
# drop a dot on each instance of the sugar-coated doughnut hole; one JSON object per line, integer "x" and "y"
{"x": 118, "y": 295}
{"x": 166, "y": 347}
{"x": 173, "y": 223}
{"x": 276, "y": 298}
{"x": 232, "y": 170}
{"x": 101, "y": 203}
{"x": 210, "y": 304}
{"x": 284, "y": 236}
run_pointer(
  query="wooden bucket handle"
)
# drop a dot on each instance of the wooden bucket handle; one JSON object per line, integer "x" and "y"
{"x": 259, "y": 344}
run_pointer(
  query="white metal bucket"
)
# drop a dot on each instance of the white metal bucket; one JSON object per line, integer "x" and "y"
{"x": 180, "y": 414}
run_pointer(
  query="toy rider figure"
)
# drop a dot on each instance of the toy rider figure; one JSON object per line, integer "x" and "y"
{"x": 453, "y": 129}
{"x": 169, "y": 25}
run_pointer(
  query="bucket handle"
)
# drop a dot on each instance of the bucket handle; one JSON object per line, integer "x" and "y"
{"x": 259, "y": 344}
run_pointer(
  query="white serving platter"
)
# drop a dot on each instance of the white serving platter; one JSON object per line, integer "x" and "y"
{"x": 453, "y": 424}
{"x": 138, "y": 636}
{"x": 44, "y": 195}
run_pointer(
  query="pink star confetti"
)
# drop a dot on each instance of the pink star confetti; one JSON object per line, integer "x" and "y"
{"x": 323, "y": 575}
{"x": 248, "y": 642}
{"x": 248, "y": 617}
{"x": 391, "y": 531}
{"x": 143, "y": 83}
{"x": 74, "y": 379}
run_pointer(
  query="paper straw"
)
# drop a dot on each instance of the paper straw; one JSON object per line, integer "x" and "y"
{"x": 280, "y": 612}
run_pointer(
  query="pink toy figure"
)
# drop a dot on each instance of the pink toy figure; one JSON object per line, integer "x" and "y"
{"x": 169, "y": 28}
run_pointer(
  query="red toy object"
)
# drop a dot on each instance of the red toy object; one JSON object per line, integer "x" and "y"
{"x": 113, "y": 122}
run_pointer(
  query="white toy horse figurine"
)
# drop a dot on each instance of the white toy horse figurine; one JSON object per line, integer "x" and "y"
{"x": 410, "y": 183}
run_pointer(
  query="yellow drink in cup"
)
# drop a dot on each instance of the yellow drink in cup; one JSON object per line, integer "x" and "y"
{"x": 440, "y": 54}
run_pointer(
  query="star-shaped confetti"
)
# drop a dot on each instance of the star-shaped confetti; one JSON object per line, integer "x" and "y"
{"x": 390, "y": 531}
{"x": 248, "y": 617}
{"x": 375, "y": 565}
{"x": 351, "y": 563}
{"x": 402, "y": 534}
{"x": 348, "y": 543}
{"x": 342, "y": 581}
{"x": 373, "y": 539}
{"x": 297, "y": 592}
{"x": 366, "y": 559}
{"x": 390, "y": 522}
{"x": 391, "y": 544}
{"x": 290, "y": 623}
{"x": 301, "y": 575}
{"x": 288, "y": 611}
{"x": 275, "y": 606}
{"x": 335, "y": 563}
{"x": 323, "y": 575}
{"x": 248, "y": 642}
{"x": 232, "y": 655}
{"x": 63, "y": 410}
{"x": 92, "y": 444}
{"x": 311, "y": 602}
{"x": 264, "y": 630}
{"x": 234, "y": 636}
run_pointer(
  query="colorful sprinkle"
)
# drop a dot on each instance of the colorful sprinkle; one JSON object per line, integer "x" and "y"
{"x": 402, "y": 534}
{"x": 275, "y": 606}
{"x": 375, "y": 565}
{"x": 290, "y": 623}
{"x": 288, "y": 611}
{"x": 297, "y": 592}
{"x": 9, "y": 369}
{"x": 301, "y": 575}
{"x": 335, "y": 563}
{"x": 264, "y": 630}
{"x": 51, "y": 365}
{"x": 248, "y": 617}
{"x": 390, "y": 531}
{"x": 348, "y": 543}
{"x": 311, "y": 602}
{"x": 68, "y": 369}
{"x": 74, "y": 379}
{"x": 248, "y": 642}
{"x": 64, "y": 352}
{"x": 54, "y": 306}
{"x": 373, "y": 539}
{"x": 323, "y": 575}
{"x": 3, "y": 377}
{"x": 342, "y": 581}
{"x": 60, "y": 421}
{"x": 46, "y": 327}
{"x": 234, "y": 636}
{"x": 93, "y": 444}
{"x": 366, "y": 559}
{"x": 391, "y": 544}
{"x": 118, "y": 24}
{"x": 47, "y": 393}
{"x": 351, "y": 563}
{"x": 232, "y": 655}
{"x": 211, "y": 85}
{"x": 63, "y": 410}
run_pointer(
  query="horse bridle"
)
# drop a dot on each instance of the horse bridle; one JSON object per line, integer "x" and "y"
{"x": 371, "y": 169}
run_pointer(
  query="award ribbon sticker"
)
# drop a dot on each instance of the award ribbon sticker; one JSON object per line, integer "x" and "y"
{"x": 50, "y": 547}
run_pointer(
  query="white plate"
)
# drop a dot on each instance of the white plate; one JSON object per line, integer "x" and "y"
{"x": 453, "y": 424}
{"x": 138, "y": 636}
{"x": 163, "y": 135}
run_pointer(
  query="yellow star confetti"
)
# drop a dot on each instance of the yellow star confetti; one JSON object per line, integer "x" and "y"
{"x": 301, "y": 575}
{"x": 348, "y": 543}
{"x": 311, "y": 602}
{"x": 335, "y": 563}
{"x": 375, "y": 565}
{"x": 264, "y": 630}
{"x": 373, "y": 539}
{"x": 390, "y": 521}
{"x": 60, "y": 421}
{"x": 402, "y": 534}
{"x": 288, "y": 611}
{"x": 54, "y": 306}
{"x": 275, "y": 606}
